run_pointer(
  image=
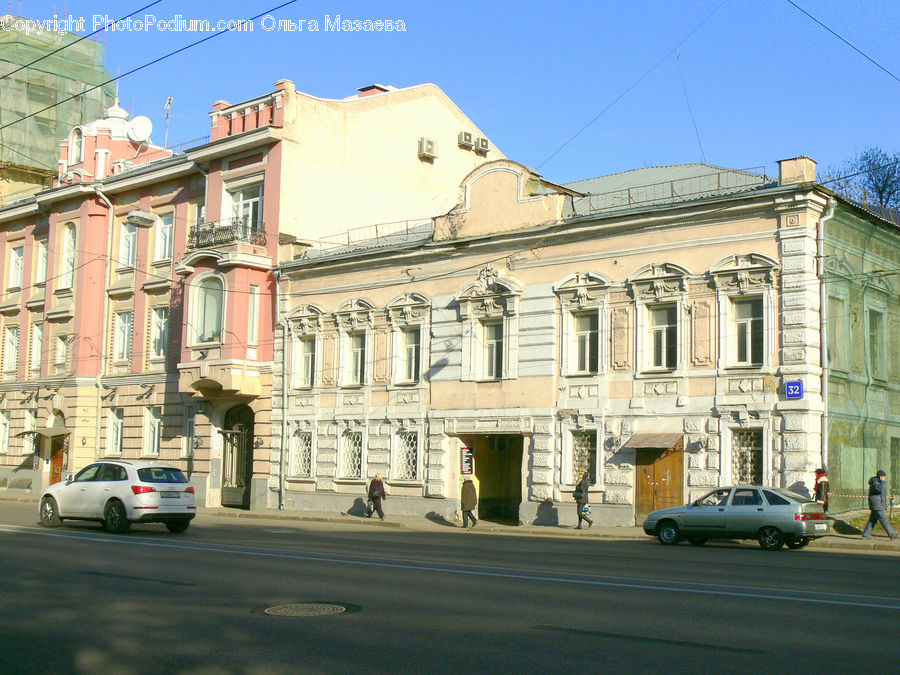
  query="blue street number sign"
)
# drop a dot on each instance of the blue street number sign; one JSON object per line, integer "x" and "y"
{"x": 793, "y": 389}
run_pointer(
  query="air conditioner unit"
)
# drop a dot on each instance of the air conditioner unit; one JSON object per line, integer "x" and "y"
{"x": 427, "y": 148}
{"x": 482, "y": 145}
{"x": 465, "y": 140}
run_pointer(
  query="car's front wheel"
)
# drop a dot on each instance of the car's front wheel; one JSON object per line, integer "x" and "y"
{"x": 770, "y": 538}
{"x": 178, "y": 525}
{"x": 115, "y": 518}
{"x": 50, "y": 513}
{"x": 667, "y": 532}
{"x": 799, "y": 542}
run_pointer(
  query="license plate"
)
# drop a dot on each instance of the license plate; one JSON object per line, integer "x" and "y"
{"x": 822, "y": 526}
{"x": 169, "y": 495}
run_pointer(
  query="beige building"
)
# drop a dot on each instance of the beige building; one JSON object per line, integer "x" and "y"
{"x": 640, "y": 326}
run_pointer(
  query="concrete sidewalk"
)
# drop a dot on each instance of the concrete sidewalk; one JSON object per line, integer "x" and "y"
{"x": 843, "y": 537}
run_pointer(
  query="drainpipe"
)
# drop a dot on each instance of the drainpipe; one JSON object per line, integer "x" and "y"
{"x": 105, "y": 322}
{"x": 823, "y": 324}
{"x": 284, "y": 392}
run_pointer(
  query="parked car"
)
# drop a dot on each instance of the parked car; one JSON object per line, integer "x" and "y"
{"x": 772, "y": 516}
{"x": 119, "y": 492}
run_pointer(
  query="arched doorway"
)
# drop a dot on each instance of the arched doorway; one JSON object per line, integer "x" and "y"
{"x": 237, "y": 456}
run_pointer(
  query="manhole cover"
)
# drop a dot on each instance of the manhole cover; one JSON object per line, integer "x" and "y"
{"x": 306, "y": 609}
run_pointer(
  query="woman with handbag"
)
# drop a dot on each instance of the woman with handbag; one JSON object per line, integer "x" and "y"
{"x": 376, "y": 494}
{"x": 582, "y": 498}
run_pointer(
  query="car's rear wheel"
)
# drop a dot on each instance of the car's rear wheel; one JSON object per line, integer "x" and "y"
{"x": 799, "y": 542}
{"x": 697, "y": 541}
{"x": 667, "y": 532}
{"x": 770, "y": 538}
{"x": 115, "y": 518}
{"x": 178, "y": 525}
{"x": 50, "y": 513}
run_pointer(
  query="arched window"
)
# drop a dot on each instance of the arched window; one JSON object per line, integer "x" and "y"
{"x": 67, "y": 272}
{"x": 76, "y": 147}
{"x": 209, "y": 310}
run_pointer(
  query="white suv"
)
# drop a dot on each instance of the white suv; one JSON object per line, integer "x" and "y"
{"x": 118, "y": 492}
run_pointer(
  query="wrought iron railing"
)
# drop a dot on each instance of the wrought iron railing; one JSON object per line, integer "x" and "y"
{"x": 228, "y": 231}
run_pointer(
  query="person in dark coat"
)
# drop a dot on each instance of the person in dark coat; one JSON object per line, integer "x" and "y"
{"x": 376, "y": 494}
{"x": 581, "y": 497}
{"x": 821, "y": 489}
{"x": 468, "y": 501}
{"x": 878, "y": 504}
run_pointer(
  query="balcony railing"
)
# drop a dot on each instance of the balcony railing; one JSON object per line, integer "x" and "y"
{"x": 228, "y": 231}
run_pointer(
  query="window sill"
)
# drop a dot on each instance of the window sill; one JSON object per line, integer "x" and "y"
{"x": 402, "y": 482}
{"x": 349, "y": 481}
{"x": 582, "y": 374}
{"x": 161, "y": 262}
{"x": 301, "y": 479}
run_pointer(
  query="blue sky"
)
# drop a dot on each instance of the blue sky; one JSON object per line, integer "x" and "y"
{"x": 763, "y": 81}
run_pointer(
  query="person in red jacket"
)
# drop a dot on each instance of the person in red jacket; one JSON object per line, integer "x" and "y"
{"x": 821, "y": 488}
{"x": 376, "y": 494}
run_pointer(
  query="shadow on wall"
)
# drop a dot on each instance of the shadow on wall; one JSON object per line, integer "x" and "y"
{"x": 547, "y": 514}
{"x": 800, "y": 488}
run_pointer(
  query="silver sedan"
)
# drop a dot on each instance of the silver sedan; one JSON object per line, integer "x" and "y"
{"x": 772, "y": 516}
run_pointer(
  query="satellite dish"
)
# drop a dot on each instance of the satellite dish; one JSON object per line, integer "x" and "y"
{"x": 138, "y": 130}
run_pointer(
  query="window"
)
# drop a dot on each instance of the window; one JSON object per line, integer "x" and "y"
{"x": 208, "y": 312}
{"x": 61, "y": 356}
{"x": 37, "y": 348}
{"x": 407, "y": 455}
{"x": 747, "y": 456}
{"x": 876, "y": 342}
{"x": 159, "y": 332}
{"x": 32, "y": 444}
{"x": 411, "y": 354}
{"x": 746, "y": 498}
{"x": 837, "y": 333}
{"x": 115, "y": 422}
{"x": 587, "y": 342}
{"x": 664, "y": 337}
{"x": 76, "y": 146}
{"x": 775, "y": 499}
{"x": 4, "y": 431}
{"x": 748, "y": 328}
{"x": 300, "y": 459}
{"x": 492, "y": 339}
{"x": 164, "y": 237}
{"x": 16, "y": 266}
{"x": 10, "y": 352}
{"x": 356, "y": 362}
{"x": 246, "y": 209}
{"x": 40, "y": 262}
{"x": 153, "y": 430}
{"x": 67, "y": 273}
{"x": 253, "y": 316}
{"x": 190, "y": 427}
{"x": 122, "y": 346}
{"x": 584, "y": 454}
{"x": 351, "y": 462}
{"x": 305, "y": 369}
{"x": 128, "y": 245}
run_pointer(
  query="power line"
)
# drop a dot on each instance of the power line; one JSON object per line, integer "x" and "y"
{"x": 146, "y": 65}
{"x": 688, "y": 101}
{"x": 75, "y": 42}
{"x": 845, "y": 41}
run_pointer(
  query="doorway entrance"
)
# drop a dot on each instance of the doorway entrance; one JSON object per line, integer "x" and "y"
{"x": 498, "y": 468}
{"x": 237, "y": 458}
{"x": 59, "y": 456}
{"x": 659, "y": 474}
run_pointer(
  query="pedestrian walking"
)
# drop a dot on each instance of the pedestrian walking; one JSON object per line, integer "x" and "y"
{"x": 468, "y": 501}
{"x": 582, "y": 498}
{"x": 878, "y": 503}
{"x": 376, "y": 494}
{"x": 821, "y": 489}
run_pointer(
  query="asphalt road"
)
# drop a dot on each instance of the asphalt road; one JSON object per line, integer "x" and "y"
{"x": 78, "y": 600}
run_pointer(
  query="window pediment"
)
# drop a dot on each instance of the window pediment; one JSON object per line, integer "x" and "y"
{"x": 410, "y": 308}
{"x": 582, "y": 290}
{"x": 354, "y": 314}
{"x": 744, "y": 273}
{"x": 491, "y": 295}
{"x": 655, "y": 283}
{"x": 306, "y": 319}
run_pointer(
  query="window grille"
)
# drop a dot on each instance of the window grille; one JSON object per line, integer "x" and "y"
{"x": 746, "y": 456}
{"x": 352, "y": 465}
{"x": 408, "y": 456}
{"x": 584, "y": 454}
{"x": 300, "y": 462}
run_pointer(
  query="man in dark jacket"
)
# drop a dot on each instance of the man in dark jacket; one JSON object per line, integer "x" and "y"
{"x": 878, "y": 503}
{"x": 468, "y": 501}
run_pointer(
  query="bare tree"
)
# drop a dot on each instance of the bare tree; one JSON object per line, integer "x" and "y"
{"x": 877, "y": 173}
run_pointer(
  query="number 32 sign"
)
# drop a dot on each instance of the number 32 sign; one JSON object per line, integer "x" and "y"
{"x": 793, "y": 389}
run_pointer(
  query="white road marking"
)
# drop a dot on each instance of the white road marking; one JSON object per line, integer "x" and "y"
{"x": 700, "y": 588}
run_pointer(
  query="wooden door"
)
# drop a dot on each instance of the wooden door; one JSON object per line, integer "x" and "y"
{"x": 58, "y": 451}
{"x": 659, "y": 473}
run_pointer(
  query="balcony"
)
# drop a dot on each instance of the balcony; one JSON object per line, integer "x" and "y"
{"x": 226, "y": 232}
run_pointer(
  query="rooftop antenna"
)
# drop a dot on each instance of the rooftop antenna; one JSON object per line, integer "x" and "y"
{"x": 168, "y": 108}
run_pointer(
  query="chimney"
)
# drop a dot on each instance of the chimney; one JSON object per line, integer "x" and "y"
{"x": 797, "y": 170}
{"x": 371, "y": 90}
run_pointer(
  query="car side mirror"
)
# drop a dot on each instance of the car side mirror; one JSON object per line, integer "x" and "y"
{"x": 70, "y": 477}
{"x": 696, "y": 502}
